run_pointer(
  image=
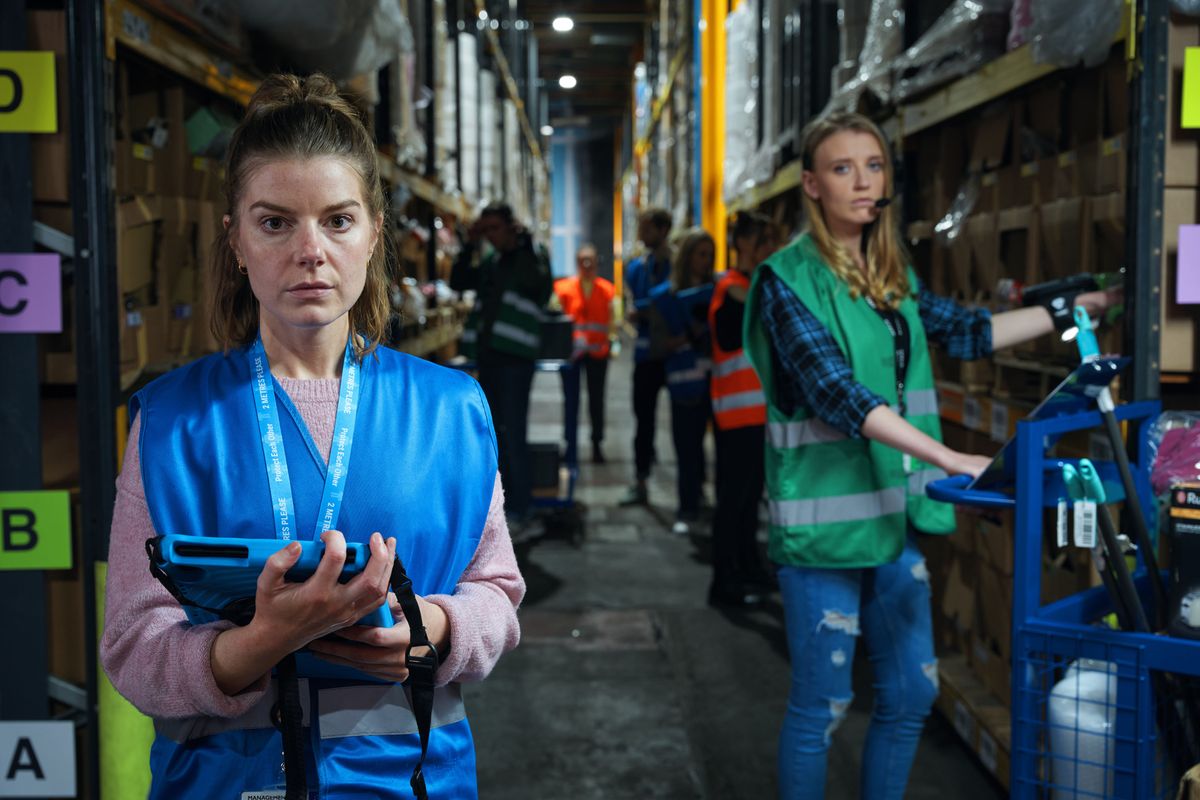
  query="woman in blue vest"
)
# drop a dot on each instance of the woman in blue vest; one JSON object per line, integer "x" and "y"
{"x": 681, "y": 306}
{"x": 305, "y": 427}
{"x": 837, "y": 327}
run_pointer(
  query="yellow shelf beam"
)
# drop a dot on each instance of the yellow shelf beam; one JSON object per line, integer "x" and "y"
{"x": 787, "y": 179}
{"x": 155, "y": 39}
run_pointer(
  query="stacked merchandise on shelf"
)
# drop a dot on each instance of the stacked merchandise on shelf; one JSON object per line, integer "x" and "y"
{"x": 445, "y": 86}
{"x": 469, "y": 98}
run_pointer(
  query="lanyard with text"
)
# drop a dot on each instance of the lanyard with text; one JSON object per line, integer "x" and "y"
{"x": 278, "y": 479}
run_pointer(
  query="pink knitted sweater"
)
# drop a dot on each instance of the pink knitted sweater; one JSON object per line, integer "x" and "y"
{"x": 160, "y": 663}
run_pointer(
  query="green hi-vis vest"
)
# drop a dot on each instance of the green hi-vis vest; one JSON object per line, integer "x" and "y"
{"x": 837, "y": 501}
{"x": 516, "y": 327}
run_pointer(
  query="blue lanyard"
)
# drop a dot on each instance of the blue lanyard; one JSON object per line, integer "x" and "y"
{"x": 278, "y": 479}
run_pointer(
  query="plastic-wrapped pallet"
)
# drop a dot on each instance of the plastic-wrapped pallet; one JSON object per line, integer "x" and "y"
{"x": 468, "y": 92}
{"x": 968, "y": 35}
{"x": 489, "y": 134}
{"x": 445, "y": 80}
{"x": 741, "y": 96}
{"x": 854, "y": 21}
{"x": 340, "y": 39}
{"x": 883, "y": 41}
{"x": 1064, "y": 32}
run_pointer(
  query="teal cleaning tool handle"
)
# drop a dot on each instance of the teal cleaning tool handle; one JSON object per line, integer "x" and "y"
{"x": 1090, "y": 478}
{"x": 1074, "y": 484}
{"x": 1089, "y": 348}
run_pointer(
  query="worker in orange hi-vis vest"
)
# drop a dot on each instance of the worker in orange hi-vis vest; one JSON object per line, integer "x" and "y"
{"x": 740, "y": 410}
{"x": 588, "y": 300}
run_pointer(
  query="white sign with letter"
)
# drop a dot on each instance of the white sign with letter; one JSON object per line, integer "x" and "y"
{"x": 37, "y": 759}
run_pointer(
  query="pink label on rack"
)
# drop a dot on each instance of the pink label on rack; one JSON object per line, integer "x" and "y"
{"x": 1187, "y": 266}
{"x": 30, "y": 293}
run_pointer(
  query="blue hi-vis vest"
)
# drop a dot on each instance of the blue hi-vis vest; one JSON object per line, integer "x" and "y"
{"x": 642, "y": 275}
{"x": 687, "y": 370}
{"x": 422, "y": 469}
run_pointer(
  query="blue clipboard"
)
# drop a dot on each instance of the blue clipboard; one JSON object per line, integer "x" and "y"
{"x": 221, "y": 573}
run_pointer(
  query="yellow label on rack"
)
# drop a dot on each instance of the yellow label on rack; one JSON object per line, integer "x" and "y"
{"x": 200, "y": 164}
{"x": 1066, "y": 159}
{"x": 1189, "y": 114}
{"x": 1111, "y": 146}
{"x": 1029, "y": 170}
{"x": 28, "y": 102}
{"x": 143, "y": 152}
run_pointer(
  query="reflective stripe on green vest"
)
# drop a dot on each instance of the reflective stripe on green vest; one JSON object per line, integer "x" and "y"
{"x": 837, "y": 501}
{"x": 517, "y": 328}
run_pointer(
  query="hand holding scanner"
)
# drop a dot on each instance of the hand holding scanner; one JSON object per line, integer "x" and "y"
{"x": 217, "y": 578}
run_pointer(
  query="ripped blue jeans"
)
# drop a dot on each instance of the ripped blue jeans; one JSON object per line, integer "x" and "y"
{"x": 826, "y": 611}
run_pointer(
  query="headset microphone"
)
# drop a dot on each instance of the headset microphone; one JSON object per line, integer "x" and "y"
{"x": 884, "y": 202}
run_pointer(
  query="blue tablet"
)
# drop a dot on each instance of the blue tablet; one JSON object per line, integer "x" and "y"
{"x": 217, "y": 578}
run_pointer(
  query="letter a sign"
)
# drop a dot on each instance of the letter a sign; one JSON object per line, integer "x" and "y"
{"x": 37, "y": 759}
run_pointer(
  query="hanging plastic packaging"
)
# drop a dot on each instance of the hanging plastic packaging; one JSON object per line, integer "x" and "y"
{"x": 1067, "y": 31}
{"x": 882, "y": 44}
{"x": 968, "y": 35}
{"x": 1174, "y": 442}
{"x": 950, "y": 227}
{"x": 1190, "y": 8}
{"x": 741, "y": 96}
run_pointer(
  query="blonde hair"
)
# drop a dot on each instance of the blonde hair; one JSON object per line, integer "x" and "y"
{"x": 886, "y": 277}
{"x": 290, "y": 117}
{"x": 681, "y": 272}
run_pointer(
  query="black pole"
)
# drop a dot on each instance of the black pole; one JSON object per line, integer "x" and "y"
{"x": 431, "y": 170}
{"x": 454, "y": 24}
{"x": 23, "y": 686}
{"x": 95, "y": 319}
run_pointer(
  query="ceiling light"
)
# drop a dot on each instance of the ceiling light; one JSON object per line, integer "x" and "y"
{"x": 563, "y": 24}
{"x": 567, "y": 81}
{"x": 547, "y": 130}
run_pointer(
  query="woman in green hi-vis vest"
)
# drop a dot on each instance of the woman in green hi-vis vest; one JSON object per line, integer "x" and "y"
{"x": 837, "y": 327}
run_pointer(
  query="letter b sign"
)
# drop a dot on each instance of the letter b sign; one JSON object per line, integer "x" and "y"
{"x": 35, "y": 530}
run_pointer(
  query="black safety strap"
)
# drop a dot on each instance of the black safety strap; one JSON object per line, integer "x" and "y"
{"x": 421, "y": 670}
{"x": 239, "y": 611}
{"x": 288, "y": 716}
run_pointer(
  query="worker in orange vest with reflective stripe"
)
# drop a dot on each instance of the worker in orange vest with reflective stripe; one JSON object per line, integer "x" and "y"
{"x": 587, "y": 299}
{"x": 740, "y": 409}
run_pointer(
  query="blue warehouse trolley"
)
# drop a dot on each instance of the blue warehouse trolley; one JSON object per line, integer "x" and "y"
{"x": 1145, "y": 699}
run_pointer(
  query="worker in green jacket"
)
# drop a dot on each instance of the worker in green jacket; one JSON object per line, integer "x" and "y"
{"x": 503, "y": 335}
{"x": 837, "y": 328}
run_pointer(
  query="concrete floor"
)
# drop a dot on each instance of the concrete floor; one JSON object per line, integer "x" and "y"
{"x": 627, "y": 684}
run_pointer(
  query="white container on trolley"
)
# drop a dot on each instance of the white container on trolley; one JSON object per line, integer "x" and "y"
{"x": 1082, "y": 715}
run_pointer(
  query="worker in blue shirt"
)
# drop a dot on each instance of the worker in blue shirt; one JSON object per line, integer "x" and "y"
{"x": 651, "y": 351}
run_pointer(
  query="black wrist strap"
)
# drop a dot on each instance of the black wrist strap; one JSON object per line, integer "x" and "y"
{"x": 421, "y": 670}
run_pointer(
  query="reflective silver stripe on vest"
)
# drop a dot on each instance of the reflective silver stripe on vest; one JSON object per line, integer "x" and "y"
{"x": 382, "y": 710}
{"x": 732, "y": 365}
{"x": 522, "y": 304}
{"x": 365, "y": 710}
{"x": 787, "y": 435}
{"x": 513, "y": 333}
{"x": 918, "y": 480}
{"x": 729, "y": 402}
{"x": 922, "y": 401}
{"x": 696, "y": 373}
{"x": 599, "y": 327}
{"x": 468, "y": 335}
{"x": 838, "y": 508}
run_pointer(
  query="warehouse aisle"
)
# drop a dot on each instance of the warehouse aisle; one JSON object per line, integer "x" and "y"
{"x": 627, "y": 684}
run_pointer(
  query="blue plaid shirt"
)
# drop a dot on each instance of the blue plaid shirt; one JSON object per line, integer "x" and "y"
{"x": 814, "y": 373}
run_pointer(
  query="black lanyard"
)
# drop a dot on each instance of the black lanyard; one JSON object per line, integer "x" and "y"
{"x": 897, "y": 325}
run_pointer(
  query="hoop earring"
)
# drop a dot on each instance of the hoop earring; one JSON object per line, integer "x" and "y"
{"x": 242, "y": 267}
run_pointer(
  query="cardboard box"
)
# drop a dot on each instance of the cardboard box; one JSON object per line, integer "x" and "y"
{"x": 1179, "y": 322}
{"x": 1042, "y": 122}
{"x": 1104, "y": 245}
{"x": 981, "y": 234}
{"x": 1066, "y": 182}
{"x": 137, "y": 235}
{"x": 990, "y": 143}
{"x": 996, "y": 541}
{"x": 1060, "y": 231}
{"x": 1181, "y": 165}
{"x": 1085, "y": 106}
{"x": 1016, "y": 244}
{"x": 1116, "y": 95}
{"x": 1102, "y": 165}
{"x": 50, "y": 153}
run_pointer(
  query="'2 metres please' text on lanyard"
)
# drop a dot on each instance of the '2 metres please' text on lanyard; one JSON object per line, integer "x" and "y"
{"x": 278, "y": 479}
